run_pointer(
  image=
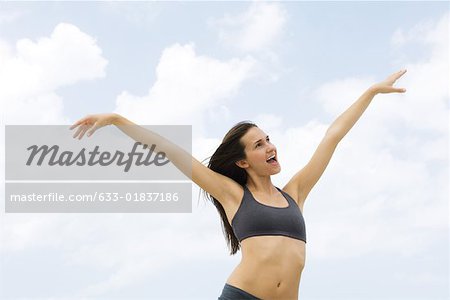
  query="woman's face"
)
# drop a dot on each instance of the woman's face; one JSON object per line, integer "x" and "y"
{"x": 258, "y": 150}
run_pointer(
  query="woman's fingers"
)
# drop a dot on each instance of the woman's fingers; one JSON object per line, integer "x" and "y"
{"x": 393, "y": 77}
{"x": 86, "y": 128}
{"x": 77, "y": 123}
{"x": 390, "y": 81}
{"x": 398, "y": 74}
{"x": 78, "y": 131}
{"x": 93, "y": 129}
{"x": 83, "y": 125}
{"x": 83, "y": 131}
{"x": 387, "y": 85}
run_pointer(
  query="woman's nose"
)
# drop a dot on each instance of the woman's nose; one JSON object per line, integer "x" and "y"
{"x": 271, "y": 148}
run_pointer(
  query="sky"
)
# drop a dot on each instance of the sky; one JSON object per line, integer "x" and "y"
{"x": 378, "y": 219}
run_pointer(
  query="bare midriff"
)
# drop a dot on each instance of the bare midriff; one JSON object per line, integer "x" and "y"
{"x": 271, "y": 267}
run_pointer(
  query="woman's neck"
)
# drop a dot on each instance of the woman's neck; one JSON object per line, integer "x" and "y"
{"x": 261, "y": 184}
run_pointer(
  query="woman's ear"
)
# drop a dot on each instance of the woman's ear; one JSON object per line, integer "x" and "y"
{"x": 242, "y": 164}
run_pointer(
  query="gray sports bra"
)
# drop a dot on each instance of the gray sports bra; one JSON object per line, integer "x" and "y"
{"x": 254, "y": 218}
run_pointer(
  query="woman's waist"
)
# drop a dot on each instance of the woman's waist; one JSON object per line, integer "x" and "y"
{"x": 266, "y": 281}
{"x": 269, "y": 270}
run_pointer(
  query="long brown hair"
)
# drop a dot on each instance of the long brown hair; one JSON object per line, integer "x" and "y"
{"x": 223, "y": 161}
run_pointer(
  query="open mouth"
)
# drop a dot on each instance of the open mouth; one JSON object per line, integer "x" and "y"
{"x": 272, "y": 160}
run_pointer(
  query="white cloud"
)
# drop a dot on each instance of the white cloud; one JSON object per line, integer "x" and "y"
{"x": 254, "y": 30}
{"x": 187, "y": 85}
{"x": 149, "y": 253}
{"x": 269, "y": 121}
{"x": 31, "y": 72}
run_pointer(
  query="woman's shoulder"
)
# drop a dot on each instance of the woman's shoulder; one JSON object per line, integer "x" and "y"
{"x": 291, "y": 190}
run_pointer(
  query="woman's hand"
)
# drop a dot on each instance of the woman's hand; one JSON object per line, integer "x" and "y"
{"x": 91, "y": 123}
{"x": 386, "y": 86}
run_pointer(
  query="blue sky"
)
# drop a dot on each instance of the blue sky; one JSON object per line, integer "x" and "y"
{"x": 377, "y": 221}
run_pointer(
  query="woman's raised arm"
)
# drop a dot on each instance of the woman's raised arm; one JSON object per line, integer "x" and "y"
{"x": 217, "y": 185}
{"x": 305, "y": 179}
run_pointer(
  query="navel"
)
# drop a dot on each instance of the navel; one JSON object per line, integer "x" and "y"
{"x": 279, "y": 283}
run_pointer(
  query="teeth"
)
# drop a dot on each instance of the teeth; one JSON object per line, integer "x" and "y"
{"x": 273, "y": 156}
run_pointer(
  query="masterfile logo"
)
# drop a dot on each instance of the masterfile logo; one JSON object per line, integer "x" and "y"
{"x": 68, "y": 158}
{"x": 46, "y": 152}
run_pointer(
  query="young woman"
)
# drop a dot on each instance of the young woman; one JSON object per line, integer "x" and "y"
{"x": 266, "y": 222}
